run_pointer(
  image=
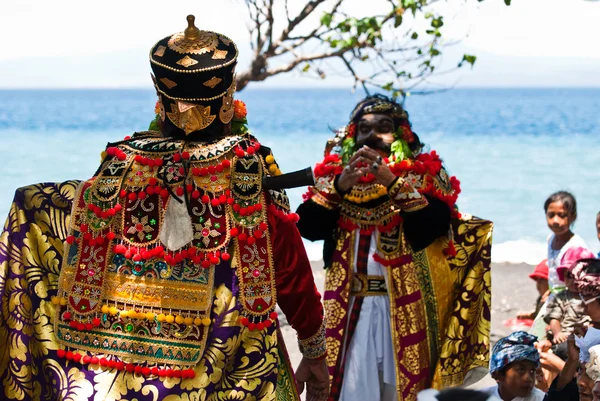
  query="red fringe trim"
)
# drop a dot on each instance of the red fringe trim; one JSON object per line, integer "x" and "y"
{"x": 393, "y": 262}
{"x": 282, "y": 215}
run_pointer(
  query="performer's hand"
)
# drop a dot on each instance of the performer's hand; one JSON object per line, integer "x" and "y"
{"x": 313, "y": 373}
{"x": 351, "y": 174}
{"x": 376, "y": 165}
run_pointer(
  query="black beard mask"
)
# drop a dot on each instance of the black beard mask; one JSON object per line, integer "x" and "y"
{"x": 376, "y": 143}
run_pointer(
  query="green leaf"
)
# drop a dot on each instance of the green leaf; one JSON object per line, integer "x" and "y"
{"x": 348, "y": 149}
{"x": 154, "y": 124}
{"x": 396, "y": 94}
{"x": 400, "y": 148}
{"x": 437, "y": 22}
{"x": 507, "y": 2}
{"x": 397, "y": 21}
{"x": 414, "y": 35}
{"x": 468, "y": 58}
{"x": 326, "y": 19}
{"x": 306, "y": 67}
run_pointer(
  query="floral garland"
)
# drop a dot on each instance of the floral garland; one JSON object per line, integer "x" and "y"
{"x": 428, "y": 165}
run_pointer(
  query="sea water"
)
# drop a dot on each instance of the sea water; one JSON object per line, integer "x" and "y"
{"x": 510, "y": 148}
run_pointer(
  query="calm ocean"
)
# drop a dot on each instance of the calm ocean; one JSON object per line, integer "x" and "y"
{"x": 509, "y": 147}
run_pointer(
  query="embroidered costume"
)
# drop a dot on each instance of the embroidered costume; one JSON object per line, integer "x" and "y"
{"x": 407, "y": 292}
{"x": 158, "y": 278}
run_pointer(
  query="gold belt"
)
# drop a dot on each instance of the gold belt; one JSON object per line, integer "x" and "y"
{"x": 366, "y": 286}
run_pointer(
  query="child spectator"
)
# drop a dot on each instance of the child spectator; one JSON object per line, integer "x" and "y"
{"x": 586, "y": 279}
{"x": 540, "y": 276}
{"x": 561, "y": 212}
{"x": 566, "y": 310}
{"x": 513, "y": 365}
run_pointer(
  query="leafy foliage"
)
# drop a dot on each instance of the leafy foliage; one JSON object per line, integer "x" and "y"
{"x": 391, "y": 45}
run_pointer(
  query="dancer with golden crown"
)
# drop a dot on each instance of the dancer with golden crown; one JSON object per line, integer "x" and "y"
{"x": 158, "y": 278}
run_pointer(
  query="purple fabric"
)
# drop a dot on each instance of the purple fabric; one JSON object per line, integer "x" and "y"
{"x": 31, "y": 250}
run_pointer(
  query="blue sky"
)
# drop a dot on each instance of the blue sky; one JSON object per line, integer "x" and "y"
{"x": 73, "y": 44}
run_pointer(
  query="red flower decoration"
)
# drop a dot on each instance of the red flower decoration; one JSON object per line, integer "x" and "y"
{"x": 157, "y": 107}
{"x": 407, "y": 134}
{"x": 351, "y": 130}
{"x": 239, "y": 110}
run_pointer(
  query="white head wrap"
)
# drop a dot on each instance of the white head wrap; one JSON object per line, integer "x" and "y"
{"x": 592, "y": 368}
{"x": 591, "y": 338}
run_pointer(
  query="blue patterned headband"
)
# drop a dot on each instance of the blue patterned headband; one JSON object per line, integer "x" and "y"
{"x": 517, "y": 346}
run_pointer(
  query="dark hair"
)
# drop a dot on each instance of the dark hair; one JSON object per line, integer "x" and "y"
{"x": 566, "y": 198}
{"x": 459, "y": 394}
{"x": 590, "y": 265}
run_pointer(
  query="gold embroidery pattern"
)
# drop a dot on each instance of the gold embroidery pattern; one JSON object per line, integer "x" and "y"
{"x": 333, "y": 349}
{"x": 314, "y": 346}
{"x": 168, "y": 83}
{"x": 227, "y": 109}
{"x": 160, "y": 51}
{"x": 335, "y": 313}
{"x": 211, "y": 83}
{"x": 29, "y": 275}
{"x": 408, "y": 318}
{"x": 187, "y": 62}
{"x": 206, "y": 43}
{"x": 465, "y": 345}
{"x": 219, "y": 54}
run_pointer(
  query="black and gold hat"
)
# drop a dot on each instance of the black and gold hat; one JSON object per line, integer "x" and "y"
{"x": 194, "y": 76}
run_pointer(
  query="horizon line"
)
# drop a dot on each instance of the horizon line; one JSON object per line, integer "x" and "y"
{"x": 302, "y": 88}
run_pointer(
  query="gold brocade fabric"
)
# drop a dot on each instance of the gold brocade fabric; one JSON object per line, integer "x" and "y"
{"x": 237, "y": 363}
{"x": 440, "y": 309}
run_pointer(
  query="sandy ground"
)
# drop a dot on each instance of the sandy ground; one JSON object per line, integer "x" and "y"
{"x": 512, "y": 290}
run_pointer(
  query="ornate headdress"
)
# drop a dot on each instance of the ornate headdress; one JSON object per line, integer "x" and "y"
{"x": 194, "y": 77}
{"x": 379, "y": 104}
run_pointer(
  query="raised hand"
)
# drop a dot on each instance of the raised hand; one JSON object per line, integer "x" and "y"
{"x": 356, "y": 168}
